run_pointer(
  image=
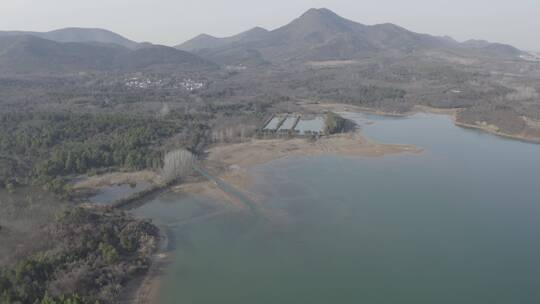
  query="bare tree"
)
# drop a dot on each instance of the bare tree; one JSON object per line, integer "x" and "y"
{"x": 233, "y": 133}
{"x": 164, "y": 111}
{"x": 177, "y": 164}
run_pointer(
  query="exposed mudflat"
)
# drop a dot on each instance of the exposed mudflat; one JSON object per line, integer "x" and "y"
{"x": 231, "y": 162}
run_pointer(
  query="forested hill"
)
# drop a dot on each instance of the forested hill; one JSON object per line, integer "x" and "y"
{"x": 27, "y": 54}
{"x": 320, "y": 34}
{"x": 75, "y": 34}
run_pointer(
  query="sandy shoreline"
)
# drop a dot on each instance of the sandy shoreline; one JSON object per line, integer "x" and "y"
{"x": 232, "y": 162}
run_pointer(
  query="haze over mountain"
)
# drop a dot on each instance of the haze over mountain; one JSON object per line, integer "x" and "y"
{"x": 317, "y": 35}
{"x": 205, "y": 41}
{"x": 320, "y": 34}
{"x": 31, "y": 54}
{"x": 74, "y": 34}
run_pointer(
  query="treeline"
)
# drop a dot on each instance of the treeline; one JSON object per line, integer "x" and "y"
{"x": 46, "y": 147}
{"x": 333, "y": 123}
{"x": 361, "y": 95}
{"x": 93, "y": 253}
{"x": 353, "y": 93}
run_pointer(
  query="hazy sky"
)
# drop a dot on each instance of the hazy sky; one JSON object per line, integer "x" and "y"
{"x": 172, "y": 21}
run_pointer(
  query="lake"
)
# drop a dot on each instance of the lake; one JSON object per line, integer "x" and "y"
{"x": 458, "y": 223}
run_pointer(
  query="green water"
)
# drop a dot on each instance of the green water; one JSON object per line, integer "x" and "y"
{"x": 459, "y": 223}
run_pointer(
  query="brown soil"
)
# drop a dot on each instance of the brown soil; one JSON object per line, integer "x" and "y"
{"x": 117, "y": 178}
{"x": 231, "y": 162}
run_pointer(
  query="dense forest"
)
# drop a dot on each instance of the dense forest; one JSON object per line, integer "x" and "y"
{"x": 44, "y": 148}
{"x": 89, "y": 255}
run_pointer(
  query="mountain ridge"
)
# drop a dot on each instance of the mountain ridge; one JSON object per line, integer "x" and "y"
{"x": 78, "y": 34}
{"x": 205, "y": 41}
{"x": 316, "y": 35}
{"x": 31, "y": 54}
{"x": 321, "y": 34}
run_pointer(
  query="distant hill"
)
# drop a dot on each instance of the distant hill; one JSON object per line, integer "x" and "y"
{"x": 162, "y": 56}
{"x": 320, "y": 34}
{"x": 78, "y": 35}
{"x": 30, "y": 54}
{"x": 317, "y": 35}
{"x": 493, "y": 49}
{"x": 205, "y": 41}
{"x": 230, "y": 50}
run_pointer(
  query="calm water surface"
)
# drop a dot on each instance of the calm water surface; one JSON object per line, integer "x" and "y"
{"x": 456, "y": 224}
{"x": 109, "y": 194}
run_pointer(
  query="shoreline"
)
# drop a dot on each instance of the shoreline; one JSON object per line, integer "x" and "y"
{"x": 232, "y": 162}
{"x": 423, "y": 109}
{"x": 145, "y": 288}
{"x": 339, "y": 107}
{"x": 491, "y": 131}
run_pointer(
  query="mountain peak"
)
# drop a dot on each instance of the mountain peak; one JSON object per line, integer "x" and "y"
{"x": 258, "y": 29}
{"x": 205, "y": 41}
{"x": 318, "y": 25}
{"x": 319, "y": 12}
{"x": 321, "y": 15}
{"x": 321, "y": 34}
{"x": 205, "y": 36}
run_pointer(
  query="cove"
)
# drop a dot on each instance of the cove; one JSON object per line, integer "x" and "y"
{"x": 455, "y": 224}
